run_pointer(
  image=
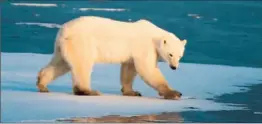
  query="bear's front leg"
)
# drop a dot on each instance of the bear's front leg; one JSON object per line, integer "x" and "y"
{"x": 128, "y": 74}
{"x": 152, "y": 75}
{"x": 158, "y": 82}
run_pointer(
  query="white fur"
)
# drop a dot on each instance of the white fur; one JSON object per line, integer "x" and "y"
{"x": 114, "y": 41}
{"x": 88, "y": 40}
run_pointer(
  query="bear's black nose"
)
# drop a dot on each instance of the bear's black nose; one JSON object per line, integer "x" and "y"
{"x": 179, "y": 94}
{"x": 172, "y": 67}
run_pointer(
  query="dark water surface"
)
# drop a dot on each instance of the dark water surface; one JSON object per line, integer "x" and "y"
{"x": 250, "y": 99}
{"x": 226, "y": 32}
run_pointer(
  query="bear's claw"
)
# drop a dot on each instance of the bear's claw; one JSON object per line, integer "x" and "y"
{"x": 172, "y": 94}
{"x": 132, "y": 93}
{"x": 79, "y": 92}
{"x": 42, "y": 88}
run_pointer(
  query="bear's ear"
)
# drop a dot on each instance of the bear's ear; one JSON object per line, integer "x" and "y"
{"x": 184, "y": 42}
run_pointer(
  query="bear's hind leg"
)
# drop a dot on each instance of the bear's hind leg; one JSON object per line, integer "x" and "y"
{"x": 128, "y": 74}
{"x": 78, "y": 56}
{"x": 53, "y": 70}
{"x": 77, "y": 90}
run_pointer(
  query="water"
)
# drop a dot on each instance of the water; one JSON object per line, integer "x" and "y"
{"x": 223, "y": 33}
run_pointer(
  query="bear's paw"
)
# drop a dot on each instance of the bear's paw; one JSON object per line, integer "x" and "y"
{"x": 131, "y": 93}
{"x": 42, "y": 88}
{"x": 171, "y": 95}
{"x": 80, "y": 92}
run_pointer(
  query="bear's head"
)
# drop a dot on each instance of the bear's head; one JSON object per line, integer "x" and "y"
{"x": 170, "y": 49}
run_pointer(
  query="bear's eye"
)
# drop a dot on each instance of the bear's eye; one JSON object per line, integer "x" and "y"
{"x": 164, "y": 41}
{"x": 170, "y": 55}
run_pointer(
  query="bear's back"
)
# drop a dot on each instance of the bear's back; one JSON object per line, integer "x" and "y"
{"x": 95, "y": 21}
{"x": 109, "y": 30}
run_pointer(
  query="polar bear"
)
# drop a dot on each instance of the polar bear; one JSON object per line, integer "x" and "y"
{"x": 137, "y": 46}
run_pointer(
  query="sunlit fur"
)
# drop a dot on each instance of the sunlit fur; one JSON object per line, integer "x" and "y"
{"x": 171, "y": 49}
{"x": 88, "y": 40}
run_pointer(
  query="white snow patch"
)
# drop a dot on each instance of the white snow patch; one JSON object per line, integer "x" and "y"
{"x": 103, "y": 9}
{"x": 47, "y": 25}
{"x": 37, "y": 15}
{"x": 194, "y": 16}
{"x": 20, "y": 100}
{"x": 35, "y": 4}
{"x": 258, "y": 113}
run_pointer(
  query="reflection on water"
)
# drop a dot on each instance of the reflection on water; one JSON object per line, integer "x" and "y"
{"x": 170, "y": 117}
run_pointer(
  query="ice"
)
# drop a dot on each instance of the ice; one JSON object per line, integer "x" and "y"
{"x": 35, "y": 4}
{"x": 20, "y": 100}
{"x": 103, "y": 9}
{"x": 46, "y": 25}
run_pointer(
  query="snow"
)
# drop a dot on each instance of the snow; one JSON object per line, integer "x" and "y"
{"x": 20, "y": 100}
{"x": 258, "y": 113}
{"x": 46, "y": 25}
{"x": 35, "y": 4}
{"x": 103, "y": 9}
